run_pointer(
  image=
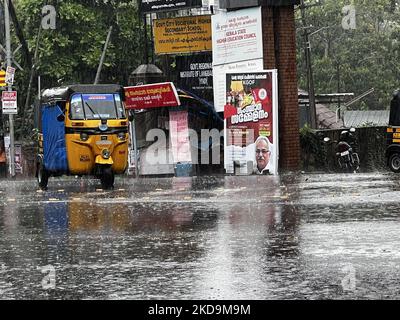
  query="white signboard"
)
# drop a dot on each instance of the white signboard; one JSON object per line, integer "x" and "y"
{"x": 237, "y": 36}
{"x": 7, "y": 141}
{"x": 219, "y": 78}
{"x": 9, "y": 102}
{"x": 10, "y": 71}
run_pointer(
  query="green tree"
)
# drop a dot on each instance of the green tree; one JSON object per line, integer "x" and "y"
{"x": 354, "y": 60}
{"x": 71, "y": 52}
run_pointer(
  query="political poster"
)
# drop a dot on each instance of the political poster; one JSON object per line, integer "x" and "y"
{"x": 251, "y": 123}
{"x": 219, "y": 78}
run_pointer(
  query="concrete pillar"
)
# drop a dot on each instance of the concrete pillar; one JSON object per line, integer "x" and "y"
{"x": 279, "y": 44}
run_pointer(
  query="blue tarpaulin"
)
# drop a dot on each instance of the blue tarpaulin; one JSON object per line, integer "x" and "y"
{"x": 54, "y": 148}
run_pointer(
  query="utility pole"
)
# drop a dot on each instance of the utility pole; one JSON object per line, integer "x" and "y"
{"x": 146, "y": 52}
{"x": 33, "y": 69}
{"x": 103, "y": 54}
{"x": 310, "y": 79}
{"x": 1, "y": 25}
{"x": 8, "y": 61}
{"x": 338, "y": 85}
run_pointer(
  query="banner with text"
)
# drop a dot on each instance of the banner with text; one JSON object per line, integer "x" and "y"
{"x": 251, "y": 123}
{"x": 219, "y": 78}
{"x": 195, "y": 74}
{"x": 9, "y": 102}
{"x": 237, "y": 36}
{"x": 154, "y": 95}
{"x": 182, "y": 35}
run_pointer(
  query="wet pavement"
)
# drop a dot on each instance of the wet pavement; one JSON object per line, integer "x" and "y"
{"x": 309, "y": 236}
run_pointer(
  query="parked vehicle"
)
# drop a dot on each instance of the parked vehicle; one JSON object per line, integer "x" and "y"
{"x": 346, "y": 156}
{"x": 393, "y": 134}
{"x": 83, "y": 130}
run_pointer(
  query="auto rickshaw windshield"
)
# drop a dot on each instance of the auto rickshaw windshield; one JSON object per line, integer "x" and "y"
{"x": 96, "y": 106}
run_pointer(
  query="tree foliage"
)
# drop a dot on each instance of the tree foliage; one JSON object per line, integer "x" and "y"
{"x": 353, "y": 60}
{"x": 71, "y": 53}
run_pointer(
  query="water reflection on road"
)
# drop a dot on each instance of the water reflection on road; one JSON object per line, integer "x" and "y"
{"x": 261, "y": 237}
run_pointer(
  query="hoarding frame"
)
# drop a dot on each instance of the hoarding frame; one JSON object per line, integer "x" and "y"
{"x": 275, "y": 129}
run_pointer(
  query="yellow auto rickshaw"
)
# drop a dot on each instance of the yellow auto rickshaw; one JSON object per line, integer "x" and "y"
{"x": 82, "y": 130}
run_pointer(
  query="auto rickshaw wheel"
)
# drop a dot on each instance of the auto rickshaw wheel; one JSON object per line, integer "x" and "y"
{"x": 394, "y": 162}
{"x": 43, "y": 177}
{"x": 107, "y": 178}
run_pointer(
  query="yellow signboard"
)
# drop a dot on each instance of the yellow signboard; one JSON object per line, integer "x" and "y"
{"x": 2, "y": 78}
{"x": 182, "y": 35}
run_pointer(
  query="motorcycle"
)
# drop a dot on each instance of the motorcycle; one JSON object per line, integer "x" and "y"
{"x": 346, "y": 156}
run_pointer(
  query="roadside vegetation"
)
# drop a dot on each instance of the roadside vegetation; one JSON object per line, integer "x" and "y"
{"x": 353, "y": 59}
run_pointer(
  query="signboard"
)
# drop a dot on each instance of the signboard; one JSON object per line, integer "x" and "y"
{"x": 2, "y": 78}
{"x": 10, "y": 71}
{"x": 148, "y": 6}
{"x": 182, "y": 35}
{"x": 7, "y": 142}
{"x": 195, "y": 74}
{"x": 237, "y": 36}
{"x": 179, "y": 134}
{"x": 220, "y": 72}
{"x": 9, "y": 102}
{"x": 236, "y": 4}
{"x": 154, "y": 95}
{"x": 251, "y": 123}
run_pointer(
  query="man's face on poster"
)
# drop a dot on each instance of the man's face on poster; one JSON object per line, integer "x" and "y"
{"x": 262, "y": 154}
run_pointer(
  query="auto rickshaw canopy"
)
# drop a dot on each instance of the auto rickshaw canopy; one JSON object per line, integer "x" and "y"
{"x": 53, "y": 95}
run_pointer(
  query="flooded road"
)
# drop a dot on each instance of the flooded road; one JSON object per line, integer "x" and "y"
{"x": 331, "y": 236}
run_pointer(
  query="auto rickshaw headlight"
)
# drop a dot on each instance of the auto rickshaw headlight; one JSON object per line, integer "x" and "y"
{"x": 121, "y": 135}
{"x": 105, "y": 153}
{"x": 84, "y": 136}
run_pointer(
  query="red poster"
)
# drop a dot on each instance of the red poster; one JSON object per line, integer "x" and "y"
{"x": 251, "y": 123}
{"x": 154, "y": 95}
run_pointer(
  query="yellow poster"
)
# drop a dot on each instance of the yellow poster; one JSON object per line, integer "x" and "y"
{"x": 182, "y": 35}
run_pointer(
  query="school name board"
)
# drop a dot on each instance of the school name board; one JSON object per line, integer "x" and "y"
{"x": 149, "y": 6}
{"x": 182, "y": 35}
